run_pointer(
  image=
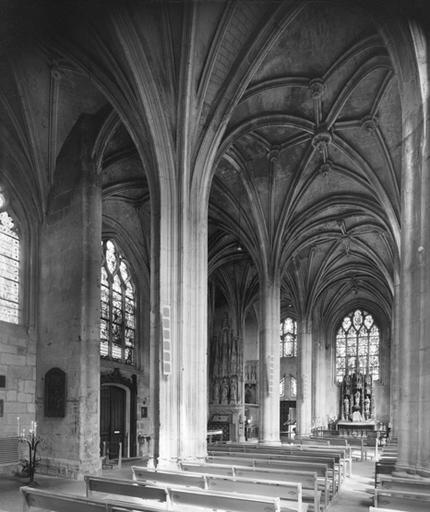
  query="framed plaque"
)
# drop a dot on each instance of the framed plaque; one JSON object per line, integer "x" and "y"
{"x": 55, "y": 393}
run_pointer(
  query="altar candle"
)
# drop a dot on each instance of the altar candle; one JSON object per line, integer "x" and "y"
{"x": 35, "y": 427}
{"x": 18, "y": 430}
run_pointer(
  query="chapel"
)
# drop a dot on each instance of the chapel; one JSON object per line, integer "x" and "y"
{"x": 214, "y": 220}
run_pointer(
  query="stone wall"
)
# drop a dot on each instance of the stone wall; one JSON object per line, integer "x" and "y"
{"x": 18, "y": 365}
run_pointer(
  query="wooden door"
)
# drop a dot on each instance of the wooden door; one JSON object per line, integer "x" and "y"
{"x": 112, "y": 419}
{"x": 287, "y": 414}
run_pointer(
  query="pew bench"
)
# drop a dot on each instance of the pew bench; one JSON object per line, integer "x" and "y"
{"x": 308, "y": 480}
{"x": 342, "y": 455}
{"x": 377, "y": 509}
{"x": 416, "y": 501}
{"x": 384, "y": 466}
{"x": 269, "y": 460}
{"x": 60, "y": 502}
{"x": 322, "y": 471}
{"x": 176, "y": 500}
{"x": 290, "y": 493}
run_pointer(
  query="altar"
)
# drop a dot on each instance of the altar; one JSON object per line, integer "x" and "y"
{"x": 355, "y": 428}
{"x": 357, "y": 405}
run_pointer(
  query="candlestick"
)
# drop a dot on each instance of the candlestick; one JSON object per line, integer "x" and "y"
{"x": 18, "y": 430}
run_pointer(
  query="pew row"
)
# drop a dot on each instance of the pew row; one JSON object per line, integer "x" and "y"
{"x": 308, "y": 480}
{"x": 280, "y": 461}
{"x": 377, "y": 509}
{"x": 173, "y": 500}
{"x": 342, "y": 454}
{"x": 60, "y": 502}
{"x": 413, "y": 501}
{"x": 384, "y": 466}
{"x": 290, "y": 493}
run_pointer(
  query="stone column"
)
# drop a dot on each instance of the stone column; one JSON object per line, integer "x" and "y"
{"x": 394, "y": 361}
{"x": 320, "y": 380}
{"x": 414, "y": 347}
{"x": 182, "y": 384}
{"x": 69, "y": 309}
{"x": 269, "y": 375}
{"x": 304, "y": 378}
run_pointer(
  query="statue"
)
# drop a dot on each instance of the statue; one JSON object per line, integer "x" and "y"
{"x": 233, "y": 390}
{"x": 346, "y": 407}
{"x": 357, "y": 399}
{"x": 216, "y": 391}
{"x": 367, "y": 407}
{"x": 224, "y": 391}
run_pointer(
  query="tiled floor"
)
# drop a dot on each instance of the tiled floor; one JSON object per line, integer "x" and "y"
{"x": 354, "y": 496}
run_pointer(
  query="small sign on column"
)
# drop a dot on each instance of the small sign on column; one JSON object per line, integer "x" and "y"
{"x": 167, "y": 341}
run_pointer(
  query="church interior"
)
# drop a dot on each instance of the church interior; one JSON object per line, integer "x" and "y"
{"x": 214, "y": 219}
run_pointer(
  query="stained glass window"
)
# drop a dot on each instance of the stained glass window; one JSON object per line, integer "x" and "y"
{"x": 288, "y": 336}
{"x": 282, "y": 386}
{"x": 117, "y": 306}
{"x": 288, "y": 387}
{"x": 9, "y": 267}
{"x": 357, "y": 340}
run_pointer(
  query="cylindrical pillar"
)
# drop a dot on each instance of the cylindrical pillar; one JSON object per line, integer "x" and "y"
{"x": 269, "y": 369}
{"x": 304, "y": 380}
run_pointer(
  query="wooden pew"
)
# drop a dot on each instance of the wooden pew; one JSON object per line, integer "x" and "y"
{"x": 385, "y": 466}
{"x": 172, "y": 478}
{"x": 342, "y": 455}
{"x": 286, "y": 491}
{"x": 307, "y": 479}
{"x": 59, "y": 502}
{"x": 176, "y": 500}
{"x": 321, "y": 469}
{"x": 225, "y": 501}
{"x": 409, "y": 485}
{"x": 414, "y": 501}
{"x": 330, "y": 461}
{"x": 377, "y": 509}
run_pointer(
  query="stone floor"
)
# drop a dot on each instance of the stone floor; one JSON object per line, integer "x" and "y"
{"x": 355, "y": 495}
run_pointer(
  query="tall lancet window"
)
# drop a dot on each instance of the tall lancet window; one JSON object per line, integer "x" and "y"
{"x": 9, "y": 266}
{"x": 288, "y": 338}
{"x": 118, "y": 306}
{"x": 357, "y": 339}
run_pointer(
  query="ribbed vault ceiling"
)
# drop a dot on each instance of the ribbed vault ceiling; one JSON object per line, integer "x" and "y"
{"x": 296, "y": 104}
{"x": 308, "y": 173}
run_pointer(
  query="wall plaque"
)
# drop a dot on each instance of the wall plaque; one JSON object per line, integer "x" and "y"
{"x": 2, "y": 381}
{"x": 55, "y": 393}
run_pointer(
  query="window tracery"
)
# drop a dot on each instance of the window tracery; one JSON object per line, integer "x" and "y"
{"x": 288, "y": 337}
{"x": 9, "y": 266}
{"x": 288, "y": 387}
{"x": 118, "y": 306}
{"x": 357, "y": 339}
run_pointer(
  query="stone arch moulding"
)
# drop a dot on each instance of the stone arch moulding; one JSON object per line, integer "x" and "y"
{"x": 116, "y": 378}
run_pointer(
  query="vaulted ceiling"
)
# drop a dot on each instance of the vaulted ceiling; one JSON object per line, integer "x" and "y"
{"x": 309, "y": 167}
{"x": 298, "y": 101}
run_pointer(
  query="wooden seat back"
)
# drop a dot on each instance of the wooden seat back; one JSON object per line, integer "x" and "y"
{"x": 59, "y": 502}
{"x": 285, "y": 490}
{"x": 417, "y": 501}
{"x": 223, "y": 501}
{"x": 124, "y": 488}
{"x": 142, "y": 474}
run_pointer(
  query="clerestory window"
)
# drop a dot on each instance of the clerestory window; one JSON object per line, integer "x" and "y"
{"x": 118, "y": 306}
{"x": 357, "y": 339}
{"x": 9, "y": 266}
